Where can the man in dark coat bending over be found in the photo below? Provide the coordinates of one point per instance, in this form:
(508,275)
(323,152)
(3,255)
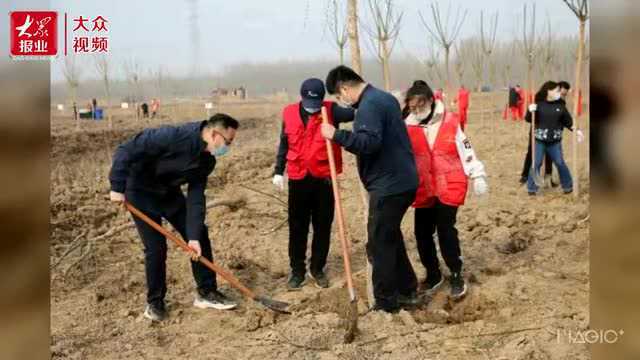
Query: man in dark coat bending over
(148,171)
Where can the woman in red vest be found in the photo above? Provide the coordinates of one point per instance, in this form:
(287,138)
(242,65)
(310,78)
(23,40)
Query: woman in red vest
(445,161)
(303,152)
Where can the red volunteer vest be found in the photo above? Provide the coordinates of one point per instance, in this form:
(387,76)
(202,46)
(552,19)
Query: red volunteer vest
(307,148)
(463,98)
(440,171)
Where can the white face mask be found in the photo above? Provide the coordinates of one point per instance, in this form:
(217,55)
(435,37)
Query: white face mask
(344,102)
(421,115)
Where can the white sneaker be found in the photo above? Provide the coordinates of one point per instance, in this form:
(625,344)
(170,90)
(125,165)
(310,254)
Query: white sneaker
(155,313)
(214,300)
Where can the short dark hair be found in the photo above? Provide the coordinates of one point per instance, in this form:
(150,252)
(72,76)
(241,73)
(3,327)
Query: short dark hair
(564,85)
(341,75)
(223,120)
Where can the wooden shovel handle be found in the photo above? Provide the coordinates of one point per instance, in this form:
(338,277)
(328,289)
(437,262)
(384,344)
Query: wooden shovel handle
(232,280)
(339,212)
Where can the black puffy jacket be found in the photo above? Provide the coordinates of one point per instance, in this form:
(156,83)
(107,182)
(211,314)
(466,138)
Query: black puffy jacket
(551,118)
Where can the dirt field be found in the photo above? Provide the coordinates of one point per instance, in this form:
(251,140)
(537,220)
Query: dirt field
(526,260)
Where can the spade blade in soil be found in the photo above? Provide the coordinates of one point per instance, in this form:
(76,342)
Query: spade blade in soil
(275,305)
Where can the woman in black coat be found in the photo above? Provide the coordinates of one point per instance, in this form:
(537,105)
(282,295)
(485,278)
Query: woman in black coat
(552,117)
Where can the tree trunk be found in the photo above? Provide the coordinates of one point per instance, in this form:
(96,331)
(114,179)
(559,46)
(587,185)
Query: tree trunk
(576,94)
(354,42)
(137,105)
(529,80)
(342,55)
(74,92)
(447,83)
(356,64)
(385,65)
(532,172)
(106,107)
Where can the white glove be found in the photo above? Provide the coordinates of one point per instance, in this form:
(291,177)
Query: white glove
(533,107)
(580,135)
(480,186)
(278,181)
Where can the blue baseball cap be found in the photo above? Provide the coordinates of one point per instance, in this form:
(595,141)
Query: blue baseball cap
(312,93)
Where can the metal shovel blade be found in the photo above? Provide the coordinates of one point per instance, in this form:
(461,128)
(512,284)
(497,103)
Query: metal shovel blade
(352,322)
(275,305)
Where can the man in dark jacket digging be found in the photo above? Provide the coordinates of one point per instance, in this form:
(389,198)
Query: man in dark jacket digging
(387,170)
(148,171)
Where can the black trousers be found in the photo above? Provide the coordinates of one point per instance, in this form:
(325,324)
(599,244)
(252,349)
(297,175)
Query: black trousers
(310,201)
(172,207)
(548,164)
(392,270)
(440,218)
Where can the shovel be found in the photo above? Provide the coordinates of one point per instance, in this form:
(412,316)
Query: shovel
(277,306)
(352,315)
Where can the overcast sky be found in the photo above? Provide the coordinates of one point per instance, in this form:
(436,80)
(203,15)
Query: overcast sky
(158,33)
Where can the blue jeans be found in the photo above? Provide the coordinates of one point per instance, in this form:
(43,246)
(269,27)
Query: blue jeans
(554,151)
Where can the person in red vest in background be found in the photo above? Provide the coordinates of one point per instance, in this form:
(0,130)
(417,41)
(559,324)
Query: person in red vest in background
(445,161)
(522,101)
(437,95)
(155,106)
(463,105)
(515,104)
(303,152)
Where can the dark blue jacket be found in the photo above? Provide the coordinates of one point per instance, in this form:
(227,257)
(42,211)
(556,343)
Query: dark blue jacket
(380,140)
(160,160)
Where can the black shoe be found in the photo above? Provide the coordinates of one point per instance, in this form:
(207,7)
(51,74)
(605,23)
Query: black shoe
(410,300)
(523,180)
(214,300)
(458,286)
(433,281)
(554,184)
(155,312)
(320,278)
(389,310)
(531,193)
(567,191)
(295,281)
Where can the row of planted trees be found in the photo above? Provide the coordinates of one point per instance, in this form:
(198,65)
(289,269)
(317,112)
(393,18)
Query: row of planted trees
(449,59)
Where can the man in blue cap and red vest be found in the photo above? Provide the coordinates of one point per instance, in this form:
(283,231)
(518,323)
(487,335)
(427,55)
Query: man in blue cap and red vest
(303,152)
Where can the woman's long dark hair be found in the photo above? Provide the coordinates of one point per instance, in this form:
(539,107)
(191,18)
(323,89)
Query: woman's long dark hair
(421,90)
(541,95)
